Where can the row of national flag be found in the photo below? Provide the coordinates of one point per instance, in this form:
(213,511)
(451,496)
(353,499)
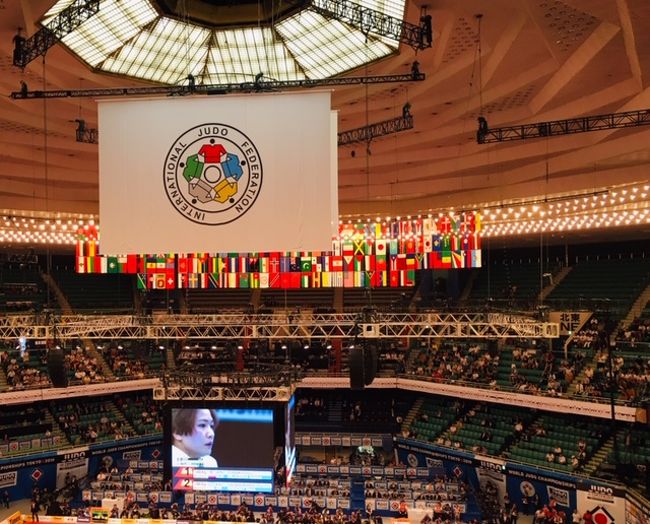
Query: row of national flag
(371,254)
(273,270)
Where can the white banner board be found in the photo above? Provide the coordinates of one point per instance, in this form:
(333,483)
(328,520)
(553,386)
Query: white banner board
(241,173)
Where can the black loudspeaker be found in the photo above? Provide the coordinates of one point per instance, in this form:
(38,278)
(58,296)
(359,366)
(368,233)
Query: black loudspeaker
(363,365)
(56,368)
(369,364)
(357,365)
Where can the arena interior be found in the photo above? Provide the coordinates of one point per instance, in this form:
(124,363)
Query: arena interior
(502,379)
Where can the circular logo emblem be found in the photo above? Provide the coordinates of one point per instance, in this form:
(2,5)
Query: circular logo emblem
(212,174)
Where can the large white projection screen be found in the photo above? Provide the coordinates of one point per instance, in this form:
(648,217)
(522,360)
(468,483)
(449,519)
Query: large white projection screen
(243,173)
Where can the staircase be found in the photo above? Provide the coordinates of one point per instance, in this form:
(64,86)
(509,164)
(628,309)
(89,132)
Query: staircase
(66,308)
(467,291)
(56,429)
(182,303)
(571,390)
(338,300)
(557,278)
(415,409)
(639,305)
(335,413)
(600,456)
(137,298)
(256,298)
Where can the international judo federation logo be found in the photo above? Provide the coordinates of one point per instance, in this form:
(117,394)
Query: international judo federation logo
(213,174)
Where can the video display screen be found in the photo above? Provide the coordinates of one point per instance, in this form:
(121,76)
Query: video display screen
(221,449)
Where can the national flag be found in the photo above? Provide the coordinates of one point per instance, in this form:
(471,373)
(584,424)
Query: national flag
(457,259)
(244,281)
(295,265)
(112,265)
(336,279)
(370,262)
(429,227)
(254,280)
(181,280)
(141,281)
(132,263)
(192,280)
(305,280)
(347,248)
(336,247)
(394,279)
(275,281)
(455,223)
(336,263)
(101,264)
(159,280)
(232,281)
(81,264)
(348,278)
(264,264)
(380,263)
(264,281)
(476,258)
(274,263)
(475,241)
(360,246)
(306,264)
(455,242)
(393,246)
(359,261)
(444,224)
(325,279)
(380,247)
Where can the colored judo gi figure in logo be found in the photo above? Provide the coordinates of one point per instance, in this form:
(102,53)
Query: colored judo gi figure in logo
(212,173)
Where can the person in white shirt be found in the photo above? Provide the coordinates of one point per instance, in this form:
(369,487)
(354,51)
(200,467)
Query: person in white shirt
(193,437)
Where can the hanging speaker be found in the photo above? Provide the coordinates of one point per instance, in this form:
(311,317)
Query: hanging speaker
(356,363)
(369,363)
(56,368)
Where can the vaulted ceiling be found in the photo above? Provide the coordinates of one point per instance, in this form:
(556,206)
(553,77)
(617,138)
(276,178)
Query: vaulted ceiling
(539,60)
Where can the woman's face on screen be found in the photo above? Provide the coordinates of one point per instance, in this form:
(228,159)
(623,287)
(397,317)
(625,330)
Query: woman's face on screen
(200,441)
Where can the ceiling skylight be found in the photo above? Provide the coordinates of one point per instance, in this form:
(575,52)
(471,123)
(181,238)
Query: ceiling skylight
(135,39)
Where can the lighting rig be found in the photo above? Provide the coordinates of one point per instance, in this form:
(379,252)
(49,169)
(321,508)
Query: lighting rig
(28,49)
(570,126)
(268,383)
(378,129)
(218,89)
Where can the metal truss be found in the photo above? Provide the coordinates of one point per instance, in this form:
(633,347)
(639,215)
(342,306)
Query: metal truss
(264,394)
(219,89)
(564,127)
(61,25)
(367,133)
(371,21)
(283,327)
